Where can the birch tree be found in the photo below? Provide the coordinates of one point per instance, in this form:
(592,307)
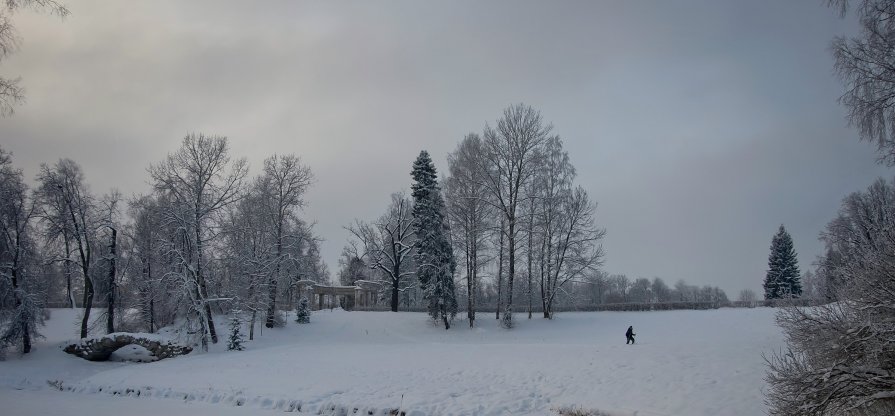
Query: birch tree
(470,217)
(511,151)
(575,248)
(562,222)
(864,63)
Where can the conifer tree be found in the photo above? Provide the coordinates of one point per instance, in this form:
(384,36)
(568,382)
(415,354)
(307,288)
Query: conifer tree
(782,280)
(434,255)
(234,343)
(303,311)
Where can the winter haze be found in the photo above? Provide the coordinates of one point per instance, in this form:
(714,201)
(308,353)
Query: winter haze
(698,126)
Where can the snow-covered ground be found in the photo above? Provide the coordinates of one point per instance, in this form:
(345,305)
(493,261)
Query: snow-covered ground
(684,363)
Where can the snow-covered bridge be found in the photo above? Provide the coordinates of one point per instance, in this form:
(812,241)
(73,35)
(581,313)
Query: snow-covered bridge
(101,348)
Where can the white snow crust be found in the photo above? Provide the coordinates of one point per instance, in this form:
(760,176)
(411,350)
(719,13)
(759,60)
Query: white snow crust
(687,363)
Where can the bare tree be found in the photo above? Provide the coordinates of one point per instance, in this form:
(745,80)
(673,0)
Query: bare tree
(562,221)
(11,93)
(198,181)
(62,186)
(145,212)
(510,157)
(661,291)
(866,65)
(501,261)
(387,244)
(550,188)
(468,214)
(249,250)
(282,186)
(747,297)
(111,222)
(57,225)
(576,246)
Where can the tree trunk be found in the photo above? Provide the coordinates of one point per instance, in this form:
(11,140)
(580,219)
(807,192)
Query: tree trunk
(531,220)
(473,294)
(200,280)
(26,335)
(146,293)
(67,270)
(110,322)
(511,239)
(26,338)
(469,314)
(394,305)
(252,326)
(543,284)
(88,301)
(499,271)
(272,284)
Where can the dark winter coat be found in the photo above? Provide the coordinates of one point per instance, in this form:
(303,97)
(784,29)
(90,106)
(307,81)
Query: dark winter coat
(630,332)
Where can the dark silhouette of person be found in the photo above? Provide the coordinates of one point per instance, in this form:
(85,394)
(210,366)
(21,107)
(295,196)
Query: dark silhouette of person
(630,335)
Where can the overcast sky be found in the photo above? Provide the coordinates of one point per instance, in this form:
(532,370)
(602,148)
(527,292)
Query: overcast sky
(698,126)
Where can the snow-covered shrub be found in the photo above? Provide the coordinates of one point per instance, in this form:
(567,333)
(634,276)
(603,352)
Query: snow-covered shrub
(236,339)
(303,311)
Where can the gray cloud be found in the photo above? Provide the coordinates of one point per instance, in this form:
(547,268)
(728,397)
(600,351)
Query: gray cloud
(699,126)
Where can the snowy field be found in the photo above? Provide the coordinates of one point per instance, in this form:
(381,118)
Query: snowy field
(686,363)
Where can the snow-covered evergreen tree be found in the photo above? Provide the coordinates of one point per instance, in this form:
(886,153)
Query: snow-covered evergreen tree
(782,280)
(236,338)
(434,255)
(303,311)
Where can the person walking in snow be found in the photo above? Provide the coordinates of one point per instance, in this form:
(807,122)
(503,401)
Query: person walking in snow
(630,335)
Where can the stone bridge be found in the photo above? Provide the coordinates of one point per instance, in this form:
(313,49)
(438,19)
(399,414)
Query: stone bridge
(99,349)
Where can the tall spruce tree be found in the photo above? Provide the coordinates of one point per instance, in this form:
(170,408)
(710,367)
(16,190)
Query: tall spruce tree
(782,280)
(434,256)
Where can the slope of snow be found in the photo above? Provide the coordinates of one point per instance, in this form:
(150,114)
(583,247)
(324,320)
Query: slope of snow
(685,363)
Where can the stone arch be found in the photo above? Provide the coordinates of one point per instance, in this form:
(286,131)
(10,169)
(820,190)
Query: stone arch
(99,349)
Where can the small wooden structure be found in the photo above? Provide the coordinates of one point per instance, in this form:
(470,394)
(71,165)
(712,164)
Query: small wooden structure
(364,293)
